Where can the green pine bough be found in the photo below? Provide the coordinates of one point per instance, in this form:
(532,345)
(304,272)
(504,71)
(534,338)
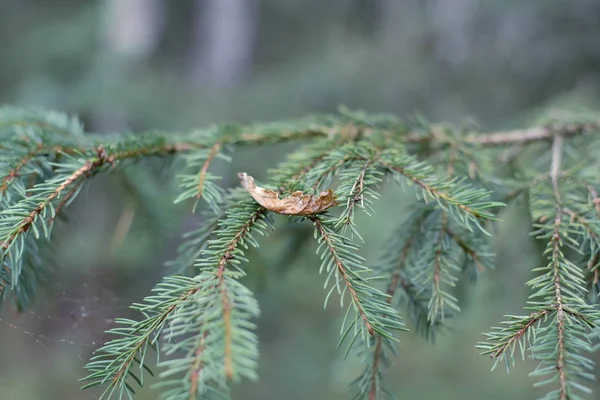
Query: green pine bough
(201,320)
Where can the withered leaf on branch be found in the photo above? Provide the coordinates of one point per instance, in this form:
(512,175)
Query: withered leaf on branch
(297,203)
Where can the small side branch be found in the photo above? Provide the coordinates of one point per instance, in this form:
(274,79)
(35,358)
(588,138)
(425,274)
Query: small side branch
(31,218)
(226,302)
(502,342)
(15,172)
(202,176)
(342,270)
(557,151)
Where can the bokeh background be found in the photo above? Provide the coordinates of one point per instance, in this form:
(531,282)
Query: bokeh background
(134,65)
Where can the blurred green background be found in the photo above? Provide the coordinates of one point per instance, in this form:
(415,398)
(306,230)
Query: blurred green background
(134,65)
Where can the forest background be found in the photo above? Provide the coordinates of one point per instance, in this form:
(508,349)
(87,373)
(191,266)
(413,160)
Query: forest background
(136,65)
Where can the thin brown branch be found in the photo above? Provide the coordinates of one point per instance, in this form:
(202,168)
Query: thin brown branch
(222,267)
(213,152)
(164,149)
(356,193)
(85,171)
(39,150)
(26,223)
(257,138)
(197,365)
(147,337)
(434,192)
(533,318)
(533,134)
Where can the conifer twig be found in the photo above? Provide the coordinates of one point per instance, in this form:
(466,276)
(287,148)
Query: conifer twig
(220,273)
(557,151)
(14,171)
(213,152)
(344,273)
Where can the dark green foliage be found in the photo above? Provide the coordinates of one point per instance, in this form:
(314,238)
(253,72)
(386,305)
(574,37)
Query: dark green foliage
(200,319)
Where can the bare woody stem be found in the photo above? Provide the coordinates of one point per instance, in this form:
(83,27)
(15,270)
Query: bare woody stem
(512,137)
(213,152)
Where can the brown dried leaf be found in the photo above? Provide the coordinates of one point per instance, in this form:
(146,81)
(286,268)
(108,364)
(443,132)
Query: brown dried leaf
(297,203)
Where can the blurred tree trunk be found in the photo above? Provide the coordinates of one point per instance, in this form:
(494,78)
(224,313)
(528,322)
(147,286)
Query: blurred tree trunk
(131,33)
(452,22)
(224,35)
(441,27)
(132,27)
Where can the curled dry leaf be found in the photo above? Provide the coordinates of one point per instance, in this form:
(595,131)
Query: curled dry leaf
(297,203)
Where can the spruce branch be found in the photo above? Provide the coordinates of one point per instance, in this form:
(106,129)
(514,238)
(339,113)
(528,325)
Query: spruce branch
(557,330)
(197,240)
(222,346)
(198,182)
(18,169)
(413,289)
(358,183)
(32,210)
(557,151)
(205,322)
(300,163)
(372,314)
(213,307)
(113,363)
(203,171)
(502,342)
(378,353)
(464,203)
(36,208)
(437,265)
